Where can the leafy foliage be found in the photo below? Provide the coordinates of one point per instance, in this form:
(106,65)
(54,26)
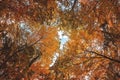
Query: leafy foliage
(29,39)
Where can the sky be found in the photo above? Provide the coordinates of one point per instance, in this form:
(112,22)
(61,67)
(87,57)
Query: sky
(63,39)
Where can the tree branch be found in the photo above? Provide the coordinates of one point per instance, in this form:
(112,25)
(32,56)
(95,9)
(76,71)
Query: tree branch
(19,50)
(75,1)
(34,59)
(118,61)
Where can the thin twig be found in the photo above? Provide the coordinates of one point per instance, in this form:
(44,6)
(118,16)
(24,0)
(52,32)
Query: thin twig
(106,57)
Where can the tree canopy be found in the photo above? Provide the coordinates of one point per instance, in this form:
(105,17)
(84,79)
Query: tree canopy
(31,34)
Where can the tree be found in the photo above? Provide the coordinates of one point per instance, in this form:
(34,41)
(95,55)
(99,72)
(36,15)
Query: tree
(85,55)
(28,40)
(23,36)
(94,17)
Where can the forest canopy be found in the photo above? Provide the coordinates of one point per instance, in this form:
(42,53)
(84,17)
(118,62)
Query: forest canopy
(59,39)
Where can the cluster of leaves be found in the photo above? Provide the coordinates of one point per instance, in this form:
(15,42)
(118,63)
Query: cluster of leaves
(28,43)
(36,10)
(24,38)
(89,14)
(85,55)
(93,47)
(19,50)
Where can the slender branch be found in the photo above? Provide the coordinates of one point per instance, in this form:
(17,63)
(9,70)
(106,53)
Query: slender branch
(18,50)
(33,60)
(75,1)
(106,57)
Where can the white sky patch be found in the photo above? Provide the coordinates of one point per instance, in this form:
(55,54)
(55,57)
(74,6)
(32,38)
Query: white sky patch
(54,59)
(63,39)
(86,78)
(69,6)
(63,7)
(25,31)
(96,45)
(25,27)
